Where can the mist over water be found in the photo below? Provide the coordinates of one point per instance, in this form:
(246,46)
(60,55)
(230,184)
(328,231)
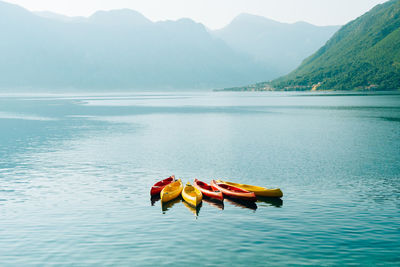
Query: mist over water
(76,170)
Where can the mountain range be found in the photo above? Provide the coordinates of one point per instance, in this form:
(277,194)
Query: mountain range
(123,50)
(282,46)
(363,55)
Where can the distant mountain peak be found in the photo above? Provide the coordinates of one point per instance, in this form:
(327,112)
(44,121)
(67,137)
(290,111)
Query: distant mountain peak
(190,23)
(247,18)
(8,9)
(186,24)
(119,16)
(282,46)
(252,19)
(186,21)
(303,23)
(245,15)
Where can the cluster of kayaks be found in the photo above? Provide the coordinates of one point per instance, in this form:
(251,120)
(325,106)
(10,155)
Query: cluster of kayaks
(171,188)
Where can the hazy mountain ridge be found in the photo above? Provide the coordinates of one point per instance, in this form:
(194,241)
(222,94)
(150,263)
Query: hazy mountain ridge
(363,55)
(56,16)
(282,46)
(118,49)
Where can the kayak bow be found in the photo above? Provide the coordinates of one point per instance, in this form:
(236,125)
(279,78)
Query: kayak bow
(207,190)
(171,191)
(192,195)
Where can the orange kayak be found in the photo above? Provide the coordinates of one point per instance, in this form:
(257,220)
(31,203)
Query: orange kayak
(157,187)
(207,190)
(233,191)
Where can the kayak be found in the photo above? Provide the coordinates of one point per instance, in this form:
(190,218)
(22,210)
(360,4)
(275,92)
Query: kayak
(157,187)
(207,190)
(258,190)
(192,195)
(232,191)
(171,191)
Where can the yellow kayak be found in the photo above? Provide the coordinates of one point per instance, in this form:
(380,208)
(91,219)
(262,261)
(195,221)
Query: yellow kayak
(171,191)
(192,195)
(258,190)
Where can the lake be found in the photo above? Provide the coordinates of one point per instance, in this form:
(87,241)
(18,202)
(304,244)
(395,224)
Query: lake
(76,170)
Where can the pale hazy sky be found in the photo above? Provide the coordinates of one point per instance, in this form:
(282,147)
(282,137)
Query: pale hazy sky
(216,13)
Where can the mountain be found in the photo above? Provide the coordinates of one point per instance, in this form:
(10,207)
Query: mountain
(120,17)
(55,16)
(119,50)
(281,46)
(364,54)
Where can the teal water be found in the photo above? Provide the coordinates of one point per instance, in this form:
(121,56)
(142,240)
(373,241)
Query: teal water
(76,170)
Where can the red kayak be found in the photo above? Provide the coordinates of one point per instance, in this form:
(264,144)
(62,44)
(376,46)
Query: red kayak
(232,191)
(207,190)
(157,187)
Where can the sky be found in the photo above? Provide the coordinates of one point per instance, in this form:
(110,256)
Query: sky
(215,14)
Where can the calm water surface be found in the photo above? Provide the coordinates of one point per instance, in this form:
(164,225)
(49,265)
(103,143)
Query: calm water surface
(75,174)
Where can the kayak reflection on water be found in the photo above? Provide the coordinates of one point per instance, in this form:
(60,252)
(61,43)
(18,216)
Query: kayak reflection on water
(154,199)
(215,203)
(242,203)
(168,205)
(272,201)
(194,210)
